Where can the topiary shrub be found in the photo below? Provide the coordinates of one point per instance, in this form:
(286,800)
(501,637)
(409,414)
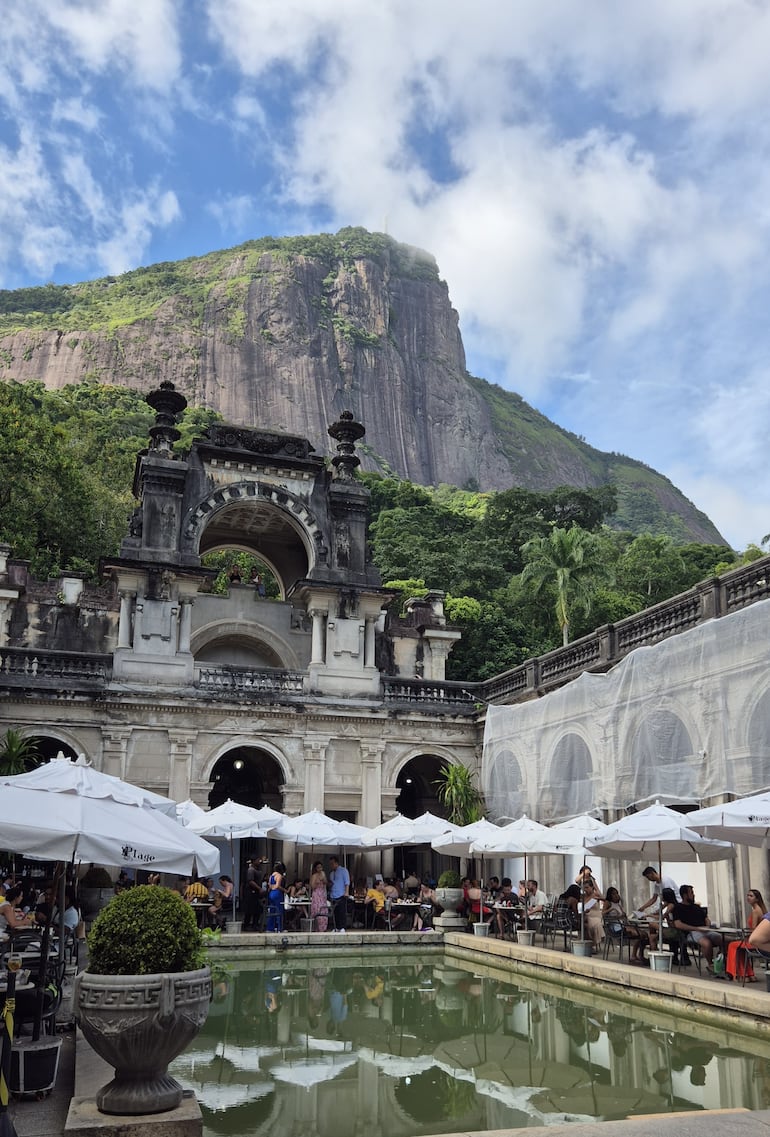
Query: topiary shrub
(145,931)
(449,879)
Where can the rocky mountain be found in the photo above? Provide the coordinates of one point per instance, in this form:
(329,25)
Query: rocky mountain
(286,333)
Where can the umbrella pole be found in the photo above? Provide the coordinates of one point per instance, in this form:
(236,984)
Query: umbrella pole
(232,869)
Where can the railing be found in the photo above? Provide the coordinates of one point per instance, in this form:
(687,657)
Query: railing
(233,681)
(608,645)
(46,668)
(432,695)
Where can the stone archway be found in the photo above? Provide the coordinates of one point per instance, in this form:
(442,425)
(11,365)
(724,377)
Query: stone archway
(49,746)
(249,775)
(416,783)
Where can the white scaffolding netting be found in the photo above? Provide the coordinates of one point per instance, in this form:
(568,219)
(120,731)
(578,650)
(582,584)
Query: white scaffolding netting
(681,721)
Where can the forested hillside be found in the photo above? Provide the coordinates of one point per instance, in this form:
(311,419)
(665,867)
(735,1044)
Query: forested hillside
(66,467)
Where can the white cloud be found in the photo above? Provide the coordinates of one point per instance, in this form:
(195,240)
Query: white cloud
(133,226)
(234,212)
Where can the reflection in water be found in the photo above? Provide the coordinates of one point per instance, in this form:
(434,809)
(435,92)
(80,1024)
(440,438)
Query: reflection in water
(300,1047)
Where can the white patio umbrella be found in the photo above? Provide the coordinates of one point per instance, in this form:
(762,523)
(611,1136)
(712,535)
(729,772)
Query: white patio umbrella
(62,775)
(70,825)
(660,834)
(234,821)
(311,828)
(310,1071)
(400,830)
(187,811)
(458,843)
(523,837)
(745,821)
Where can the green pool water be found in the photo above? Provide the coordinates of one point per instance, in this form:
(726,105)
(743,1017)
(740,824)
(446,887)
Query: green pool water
(385,1047)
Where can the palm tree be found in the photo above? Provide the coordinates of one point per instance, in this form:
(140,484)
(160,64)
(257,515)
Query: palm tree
(570,561)
(17,753)
(458,793)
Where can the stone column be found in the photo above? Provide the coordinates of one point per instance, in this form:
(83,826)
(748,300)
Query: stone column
(315,773)
(318,640)
(181,744)
(371,622)
(371,783)
(124,625)
(114,749)
(138,611)
(185,624)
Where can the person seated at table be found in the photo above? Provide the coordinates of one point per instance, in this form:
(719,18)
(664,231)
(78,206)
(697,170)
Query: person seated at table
(391,889)
(570,901)
(374,902)
(737,964)
(480,913)
(44,906)
(295,911)
(411,883)
(423,917)
(537,901)
(196,890)
(221,903)
(11,916)
(759,939)
(691,918)
(507,898)
(617,917)
(493,887)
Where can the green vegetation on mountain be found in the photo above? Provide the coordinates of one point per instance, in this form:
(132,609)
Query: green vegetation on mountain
(116,301)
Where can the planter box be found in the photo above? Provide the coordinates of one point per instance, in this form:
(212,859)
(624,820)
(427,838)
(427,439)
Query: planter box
(234,927)
(660,960)
(582,947)
(525,937)
(481,929)
(34,1066)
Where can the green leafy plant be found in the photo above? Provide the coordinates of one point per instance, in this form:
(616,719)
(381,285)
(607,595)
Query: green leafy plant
(17,753)
(145,931)
(449,879)
(458,793)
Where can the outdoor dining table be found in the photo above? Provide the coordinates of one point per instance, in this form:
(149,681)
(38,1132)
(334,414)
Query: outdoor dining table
(512,915)
(201,908)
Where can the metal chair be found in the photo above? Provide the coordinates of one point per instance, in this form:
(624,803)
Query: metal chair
(562,922)
(615,934)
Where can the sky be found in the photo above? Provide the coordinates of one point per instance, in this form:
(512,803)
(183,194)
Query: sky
(591,176)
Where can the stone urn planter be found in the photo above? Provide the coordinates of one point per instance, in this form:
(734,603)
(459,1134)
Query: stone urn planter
(450,899)
(138,1024)
(144,997)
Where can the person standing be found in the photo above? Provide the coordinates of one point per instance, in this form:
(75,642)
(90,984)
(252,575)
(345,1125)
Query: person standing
(276,891)
(318,901)
(252,895)
(339,878)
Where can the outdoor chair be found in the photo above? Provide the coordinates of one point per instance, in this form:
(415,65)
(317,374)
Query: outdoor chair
(562,923)
(759,962)
(615,935)
(688,952)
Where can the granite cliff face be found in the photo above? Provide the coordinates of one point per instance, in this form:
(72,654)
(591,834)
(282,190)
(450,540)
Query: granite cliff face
(287,333)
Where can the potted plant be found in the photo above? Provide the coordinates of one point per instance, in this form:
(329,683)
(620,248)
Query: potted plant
(449,894)
(144,997)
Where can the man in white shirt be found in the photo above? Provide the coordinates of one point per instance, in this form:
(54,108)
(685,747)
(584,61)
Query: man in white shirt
(658,883)
(536,899)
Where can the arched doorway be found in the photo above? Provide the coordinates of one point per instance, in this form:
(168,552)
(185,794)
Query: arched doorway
(49,747)
(417,784)
(249,775)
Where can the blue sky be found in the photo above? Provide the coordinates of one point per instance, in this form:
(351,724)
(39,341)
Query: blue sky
(592,178)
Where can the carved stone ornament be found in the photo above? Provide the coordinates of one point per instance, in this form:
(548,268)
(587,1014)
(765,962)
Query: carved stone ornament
(258,441)
(138,1024)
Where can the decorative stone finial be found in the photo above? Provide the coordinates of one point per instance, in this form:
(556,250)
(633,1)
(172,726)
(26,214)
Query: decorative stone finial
(346,433)
(168,404)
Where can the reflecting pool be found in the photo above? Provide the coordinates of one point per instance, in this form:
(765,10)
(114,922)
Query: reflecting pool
(385,1046)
